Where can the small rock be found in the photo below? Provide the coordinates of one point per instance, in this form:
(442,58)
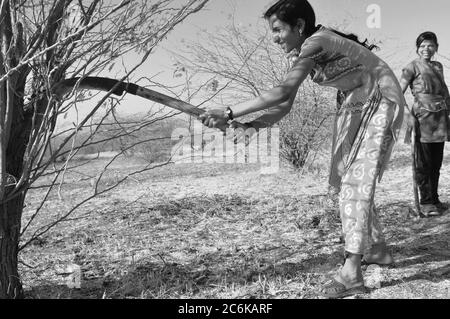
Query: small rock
(73,281)
(373,277)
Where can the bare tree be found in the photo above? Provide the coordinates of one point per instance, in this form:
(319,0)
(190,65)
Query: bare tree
(240,62)
(42,43)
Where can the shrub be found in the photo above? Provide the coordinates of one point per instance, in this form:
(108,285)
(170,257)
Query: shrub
(307,128)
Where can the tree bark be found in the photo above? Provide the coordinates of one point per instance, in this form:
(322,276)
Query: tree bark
(10,284)
(11,209)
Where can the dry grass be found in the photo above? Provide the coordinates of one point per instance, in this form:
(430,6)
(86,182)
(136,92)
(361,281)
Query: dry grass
(225,231)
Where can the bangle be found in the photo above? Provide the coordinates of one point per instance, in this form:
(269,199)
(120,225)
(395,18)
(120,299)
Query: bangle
(229,113)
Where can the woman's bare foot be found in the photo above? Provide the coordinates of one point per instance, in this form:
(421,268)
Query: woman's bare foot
(379,255)
(351,273)
(349,281)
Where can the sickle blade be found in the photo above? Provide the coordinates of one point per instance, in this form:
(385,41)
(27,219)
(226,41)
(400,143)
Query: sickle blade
(168,101)
(117,87)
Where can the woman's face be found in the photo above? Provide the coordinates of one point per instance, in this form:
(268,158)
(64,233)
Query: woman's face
(427,49)
(283,34)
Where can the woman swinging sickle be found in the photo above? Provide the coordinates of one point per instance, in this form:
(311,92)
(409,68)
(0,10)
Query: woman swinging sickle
(368,124)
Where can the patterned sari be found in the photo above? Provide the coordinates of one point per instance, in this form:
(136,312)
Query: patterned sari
(367,125)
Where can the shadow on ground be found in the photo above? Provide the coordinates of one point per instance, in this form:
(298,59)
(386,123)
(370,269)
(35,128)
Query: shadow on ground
(263,272)
(420,246)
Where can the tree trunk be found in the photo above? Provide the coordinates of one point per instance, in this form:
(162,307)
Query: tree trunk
(10,223)
(11,210)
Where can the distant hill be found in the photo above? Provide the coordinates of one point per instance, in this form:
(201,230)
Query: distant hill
(149,138)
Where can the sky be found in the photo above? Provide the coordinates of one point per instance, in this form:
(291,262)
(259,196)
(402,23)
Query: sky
(394,29)
(401,21)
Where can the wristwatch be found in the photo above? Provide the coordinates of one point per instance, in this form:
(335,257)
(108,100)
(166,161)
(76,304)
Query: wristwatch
(229,114)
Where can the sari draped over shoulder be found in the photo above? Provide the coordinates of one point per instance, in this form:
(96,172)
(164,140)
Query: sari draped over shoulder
(363,81)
